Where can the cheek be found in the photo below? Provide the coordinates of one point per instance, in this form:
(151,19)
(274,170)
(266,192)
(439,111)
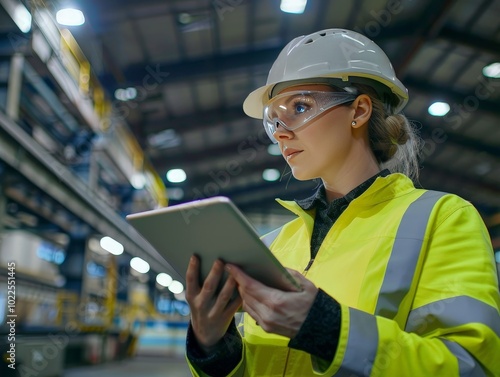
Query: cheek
(330,136)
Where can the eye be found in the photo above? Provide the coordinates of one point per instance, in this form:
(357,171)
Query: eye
(302,104)
(300,108)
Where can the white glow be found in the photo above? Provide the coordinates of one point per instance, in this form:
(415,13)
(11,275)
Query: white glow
(271,175)
(22,18)
(110,245)
(164,279)
(138,181)
(439,109)
(492,70)
(293,6)
(274,150)
(140,265)
(176,287)
(176,175)
(180,296)
(175,193)
(127,94)
(70,17)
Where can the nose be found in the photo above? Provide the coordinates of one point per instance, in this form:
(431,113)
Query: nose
(280,132)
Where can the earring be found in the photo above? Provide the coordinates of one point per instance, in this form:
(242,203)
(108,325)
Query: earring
(353,123)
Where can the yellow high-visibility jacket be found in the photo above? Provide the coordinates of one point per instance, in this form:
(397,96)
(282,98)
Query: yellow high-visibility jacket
(415,275)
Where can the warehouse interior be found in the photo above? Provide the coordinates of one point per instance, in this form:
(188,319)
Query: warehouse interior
(96,120)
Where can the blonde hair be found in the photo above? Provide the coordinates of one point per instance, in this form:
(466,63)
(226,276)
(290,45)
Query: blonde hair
(393,139)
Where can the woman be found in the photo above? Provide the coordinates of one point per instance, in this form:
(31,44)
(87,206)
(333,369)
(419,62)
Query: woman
(397,281)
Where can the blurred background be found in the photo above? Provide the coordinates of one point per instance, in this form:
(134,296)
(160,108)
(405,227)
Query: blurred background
(112,107)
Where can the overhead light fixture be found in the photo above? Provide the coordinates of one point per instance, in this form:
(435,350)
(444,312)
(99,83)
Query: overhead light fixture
(175,193)
(22,18)
(127,94)
(70,17)
(492,70)
(138,181)
(19,14)
(271,175)
(176,175)
(140,265)
(164,139)
(274,150)
(439,109)
(293,6)
(176,287)
(111,245)
(164,279)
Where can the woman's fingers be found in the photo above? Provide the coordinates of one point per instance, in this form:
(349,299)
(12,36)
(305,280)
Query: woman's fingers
(228,299)
(192,278)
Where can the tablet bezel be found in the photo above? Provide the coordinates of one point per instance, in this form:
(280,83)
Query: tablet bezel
(212,228)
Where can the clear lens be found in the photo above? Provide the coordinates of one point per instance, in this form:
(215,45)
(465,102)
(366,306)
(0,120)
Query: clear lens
(293,110)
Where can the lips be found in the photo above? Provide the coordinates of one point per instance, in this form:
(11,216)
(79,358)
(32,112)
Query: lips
(288,153)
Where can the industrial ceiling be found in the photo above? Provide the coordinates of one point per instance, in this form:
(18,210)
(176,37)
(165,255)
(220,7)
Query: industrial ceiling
(192,63)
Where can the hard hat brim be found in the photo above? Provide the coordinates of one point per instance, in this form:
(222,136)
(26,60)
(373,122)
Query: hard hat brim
(254,104)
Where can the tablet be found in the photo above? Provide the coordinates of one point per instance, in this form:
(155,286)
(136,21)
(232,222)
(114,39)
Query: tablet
(212,228)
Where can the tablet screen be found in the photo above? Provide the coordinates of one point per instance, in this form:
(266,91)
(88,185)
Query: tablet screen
(212,228)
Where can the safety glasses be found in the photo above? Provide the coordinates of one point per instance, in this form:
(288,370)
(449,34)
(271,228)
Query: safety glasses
(293,110)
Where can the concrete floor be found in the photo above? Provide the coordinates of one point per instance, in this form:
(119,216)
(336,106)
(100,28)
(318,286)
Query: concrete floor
(137,367)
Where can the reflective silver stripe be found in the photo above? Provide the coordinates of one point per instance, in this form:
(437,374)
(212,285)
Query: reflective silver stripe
(452,312)
(405,254)
(467,365)
(362,344)
(269,238)
(239,320)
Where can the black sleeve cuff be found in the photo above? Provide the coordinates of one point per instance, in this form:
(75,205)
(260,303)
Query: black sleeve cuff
(319,334)
(225,356)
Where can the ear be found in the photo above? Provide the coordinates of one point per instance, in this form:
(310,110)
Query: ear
(362,107)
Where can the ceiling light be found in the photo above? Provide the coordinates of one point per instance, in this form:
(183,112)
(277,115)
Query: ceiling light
(164,139)
(138,181)
(293,6)
(271,175)
(482,168)
(185,18)
(439,109)
(274,150)
(164,279)
(176,287)
(140,265)
(127,94)
(492,70)
(22,18)
(70,17)
(19,14)
(175,193)
(176,175)
(111,246)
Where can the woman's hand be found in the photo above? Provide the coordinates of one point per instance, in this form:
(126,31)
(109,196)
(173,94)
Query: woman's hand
(276,311)
(211,313)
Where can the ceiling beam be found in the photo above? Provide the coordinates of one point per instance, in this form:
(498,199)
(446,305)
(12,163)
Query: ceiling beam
(472,41)
(461,103)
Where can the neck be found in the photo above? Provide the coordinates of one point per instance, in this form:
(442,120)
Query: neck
(350,176)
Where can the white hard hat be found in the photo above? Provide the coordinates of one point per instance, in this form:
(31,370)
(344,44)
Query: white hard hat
(344,55)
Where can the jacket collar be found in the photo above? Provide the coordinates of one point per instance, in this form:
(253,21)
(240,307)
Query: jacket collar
(384,188)
(319,198)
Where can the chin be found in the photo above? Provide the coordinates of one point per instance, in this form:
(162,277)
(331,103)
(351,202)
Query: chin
(301,175)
